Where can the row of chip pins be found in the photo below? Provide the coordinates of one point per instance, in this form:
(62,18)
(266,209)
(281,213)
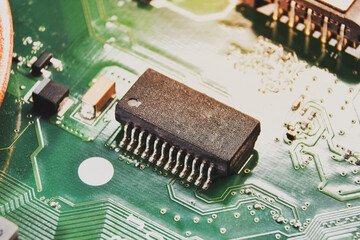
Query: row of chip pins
(137,150)
(153,147)
(133,140)
(186,167)
(170,160)
(161,160)
(125,137)
(136,141)
(309,25)
(178,162)
(152,158)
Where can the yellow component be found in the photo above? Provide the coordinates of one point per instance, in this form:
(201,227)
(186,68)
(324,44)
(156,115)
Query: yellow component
(292,14)
(96,97)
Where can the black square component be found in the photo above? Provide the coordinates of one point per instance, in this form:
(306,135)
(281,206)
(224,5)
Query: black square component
(48,96)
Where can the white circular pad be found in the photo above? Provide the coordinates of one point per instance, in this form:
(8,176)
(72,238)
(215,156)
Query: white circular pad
(96,171)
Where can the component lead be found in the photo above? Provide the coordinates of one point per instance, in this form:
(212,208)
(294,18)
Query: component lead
(341,37)
(276,10)
(147,148)
(162,157)
(184,171)
(177,164)
(193,170)
(308,22)
(208,179)
(324,30)
(132,142)
(169,162)
(292,14)
(201,174)
(140,140)
(154,154)
(124,139)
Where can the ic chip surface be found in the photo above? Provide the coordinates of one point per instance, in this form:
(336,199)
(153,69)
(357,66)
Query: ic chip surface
(189,120)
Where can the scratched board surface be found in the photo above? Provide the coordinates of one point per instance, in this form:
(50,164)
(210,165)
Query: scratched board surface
(307,188)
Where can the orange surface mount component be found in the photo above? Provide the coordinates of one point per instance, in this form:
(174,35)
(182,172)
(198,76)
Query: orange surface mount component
(96,97)
(6,46)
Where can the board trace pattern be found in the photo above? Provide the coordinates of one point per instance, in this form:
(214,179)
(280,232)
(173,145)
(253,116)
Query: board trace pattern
(67,175)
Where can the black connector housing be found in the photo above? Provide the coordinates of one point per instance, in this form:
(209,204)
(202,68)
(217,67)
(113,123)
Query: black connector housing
(349,17)
(48,96)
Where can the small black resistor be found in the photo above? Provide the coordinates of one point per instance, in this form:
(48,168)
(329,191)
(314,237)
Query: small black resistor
(42,62)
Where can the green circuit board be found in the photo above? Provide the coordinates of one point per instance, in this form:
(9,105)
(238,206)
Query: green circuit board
(305,188)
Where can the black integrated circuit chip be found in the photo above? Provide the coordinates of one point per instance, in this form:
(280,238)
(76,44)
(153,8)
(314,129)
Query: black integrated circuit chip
(183,130)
